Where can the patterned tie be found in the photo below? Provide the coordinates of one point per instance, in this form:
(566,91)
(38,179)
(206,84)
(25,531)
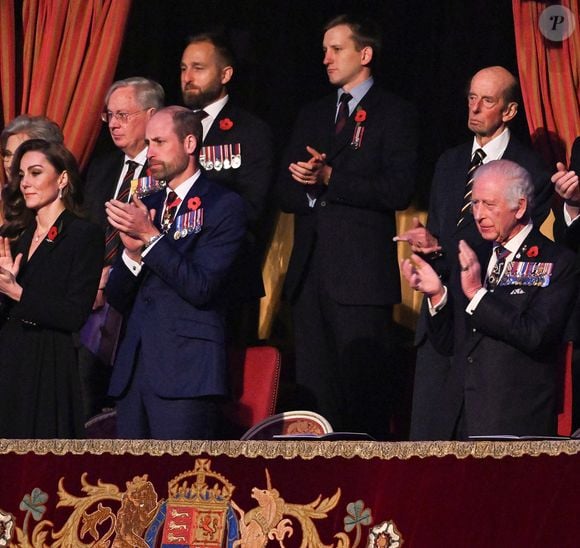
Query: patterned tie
(495,275)
(476,161)
(112,239)
(171,204)
(342,115)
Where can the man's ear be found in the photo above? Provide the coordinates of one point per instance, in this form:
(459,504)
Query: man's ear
(522,207)
(227,73)
(509,112)
(190,144)
(366,55)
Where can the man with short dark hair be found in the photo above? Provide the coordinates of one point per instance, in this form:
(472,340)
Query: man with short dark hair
(237,152)
(504,325)
(492,104)
(179,244)
(349,166)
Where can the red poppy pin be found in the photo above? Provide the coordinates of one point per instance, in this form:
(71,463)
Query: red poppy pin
(360,116)
(226,124)
(193,203)
(533,251)
(52,234)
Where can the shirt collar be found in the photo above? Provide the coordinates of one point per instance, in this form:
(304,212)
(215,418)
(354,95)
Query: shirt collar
(186,186)
(215,108)
(516,242)
(495,148)
(141,158)
(357,93)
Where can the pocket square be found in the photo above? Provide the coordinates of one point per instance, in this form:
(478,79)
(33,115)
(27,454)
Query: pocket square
(517,291)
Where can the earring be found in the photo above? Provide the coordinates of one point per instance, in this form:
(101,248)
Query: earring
(60,193)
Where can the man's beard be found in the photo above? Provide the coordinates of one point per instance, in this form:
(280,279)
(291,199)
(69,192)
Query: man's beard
(200,100)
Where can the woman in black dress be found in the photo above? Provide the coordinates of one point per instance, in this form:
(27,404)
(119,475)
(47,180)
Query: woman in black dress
(50,265)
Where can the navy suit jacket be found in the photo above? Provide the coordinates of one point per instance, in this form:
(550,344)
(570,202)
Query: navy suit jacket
(174,306)
(353,221)
(506,355)
(252,181)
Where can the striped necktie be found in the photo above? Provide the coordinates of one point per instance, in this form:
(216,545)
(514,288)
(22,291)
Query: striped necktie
(501,254)
(171,204)
(112,239)
(476,161)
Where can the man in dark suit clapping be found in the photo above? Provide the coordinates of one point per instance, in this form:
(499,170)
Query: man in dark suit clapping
(349,166)
(502,318)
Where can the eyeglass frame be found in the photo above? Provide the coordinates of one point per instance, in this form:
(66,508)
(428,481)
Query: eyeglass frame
(123,117)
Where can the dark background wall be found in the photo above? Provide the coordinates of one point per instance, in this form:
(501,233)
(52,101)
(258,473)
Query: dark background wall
(431,48)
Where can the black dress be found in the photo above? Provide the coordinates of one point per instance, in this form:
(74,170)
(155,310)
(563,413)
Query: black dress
(39,378)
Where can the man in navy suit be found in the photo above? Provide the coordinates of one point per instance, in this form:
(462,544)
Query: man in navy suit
(349,166)
(237,152)
(502,321)
(180,243)
(492,103)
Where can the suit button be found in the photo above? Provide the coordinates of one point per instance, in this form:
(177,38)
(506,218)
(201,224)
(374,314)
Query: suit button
(323,203)
(469,359)
(474,330)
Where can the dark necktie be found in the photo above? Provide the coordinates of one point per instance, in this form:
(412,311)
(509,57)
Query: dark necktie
(494,276)
(342,115)
(112,239)
(476,161)
(171,204)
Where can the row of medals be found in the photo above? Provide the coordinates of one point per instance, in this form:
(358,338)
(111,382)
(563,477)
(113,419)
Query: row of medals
(221,156)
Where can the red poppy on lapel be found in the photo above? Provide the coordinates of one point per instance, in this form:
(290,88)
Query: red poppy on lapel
(226,124)
(533,251)
(360,116)
(52,234)
(193,203)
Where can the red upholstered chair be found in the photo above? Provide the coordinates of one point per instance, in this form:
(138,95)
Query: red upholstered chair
(565,404)
(254,378)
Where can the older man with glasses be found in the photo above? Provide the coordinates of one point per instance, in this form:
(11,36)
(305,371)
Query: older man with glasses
(129,104)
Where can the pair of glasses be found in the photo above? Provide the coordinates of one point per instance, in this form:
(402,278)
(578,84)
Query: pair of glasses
(123,117)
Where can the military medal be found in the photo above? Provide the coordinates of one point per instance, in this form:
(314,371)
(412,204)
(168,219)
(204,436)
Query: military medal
(188,223)
(534,274)
(237,156)
(209,158)
(217,165)
(227,156)
(202,157)
(146,185)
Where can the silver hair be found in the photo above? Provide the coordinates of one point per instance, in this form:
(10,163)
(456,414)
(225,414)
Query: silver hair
(517,182)
(34,127)
(149,94)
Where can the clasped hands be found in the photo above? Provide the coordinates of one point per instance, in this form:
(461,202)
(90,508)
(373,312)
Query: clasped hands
(134,222)
(421,276)
(313,171)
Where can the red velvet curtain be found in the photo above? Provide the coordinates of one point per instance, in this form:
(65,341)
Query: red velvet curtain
(70,50)
(549,78)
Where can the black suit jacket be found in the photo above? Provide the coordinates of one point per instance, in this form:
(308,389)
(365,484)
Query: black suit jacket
(353,220)
(101,182)
(505,367)
(447,191)
(252,181)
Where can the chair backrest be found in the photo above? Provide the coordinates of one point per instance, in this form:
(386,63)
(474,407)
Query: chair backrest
(289,423)
(254,379)
(565,403)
